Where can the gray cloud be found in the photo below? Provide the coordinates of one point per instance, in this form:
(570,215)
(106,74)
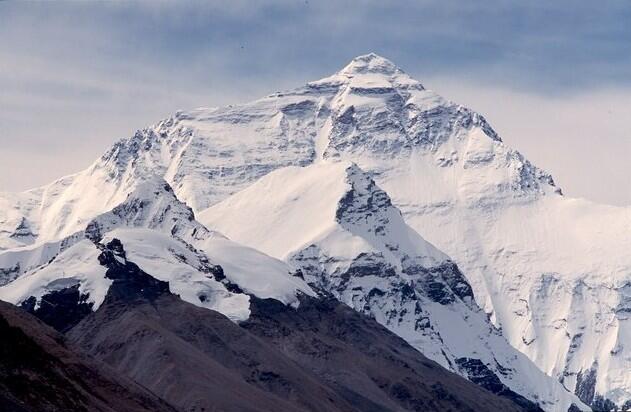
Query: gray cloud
(74,76)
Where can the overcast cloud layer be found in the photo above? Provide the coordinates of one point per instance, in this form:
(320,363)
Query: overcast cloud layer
(554,78)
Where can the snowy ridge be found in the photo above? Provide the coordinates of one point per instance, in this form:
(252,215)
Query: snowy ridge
(15,262)
(158,233)
(367,211)
(189,272)
(151,205)
(362,252)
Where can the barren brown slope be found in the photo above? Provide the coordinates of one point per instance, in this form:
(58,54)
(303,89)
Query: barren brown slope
(198,359)
(368,364)
(40,372)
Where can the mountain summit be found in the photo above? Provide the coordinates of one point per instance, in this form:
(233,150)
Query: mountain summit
(370,63)
(369,73)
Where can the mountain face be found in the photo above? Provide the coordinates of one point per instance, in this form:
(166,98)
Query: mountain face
(552,272)
(40,371)
(355,245)
(306,358)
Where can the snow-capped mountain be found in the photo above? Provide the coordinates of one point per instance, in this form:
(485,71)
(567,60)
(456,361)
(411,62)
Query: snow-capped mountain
(354,244)
(161,236)
(552,272)
(122,290)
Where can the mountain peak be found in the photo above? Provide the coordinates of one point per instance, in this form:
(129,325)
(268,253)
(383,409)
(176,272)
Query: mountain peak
(150,188)
(370,63)
(342,202)
(152,204)
(370,71)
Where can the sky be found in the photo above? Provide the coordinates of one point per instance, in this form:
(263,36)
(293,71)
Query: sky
(552,77)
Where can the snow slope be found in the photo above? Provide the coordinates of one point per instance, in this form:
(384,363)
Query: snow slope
(353,243)
(76,266)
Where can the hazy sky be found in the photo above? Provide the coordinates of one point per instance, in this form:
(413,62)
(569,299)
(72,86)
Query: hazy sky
(552,77)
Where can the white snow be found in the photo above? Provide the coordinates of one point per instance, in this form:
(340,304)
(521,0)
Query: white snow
(272,203)
(77,265)
(255,272)
(168,259)
(20,260)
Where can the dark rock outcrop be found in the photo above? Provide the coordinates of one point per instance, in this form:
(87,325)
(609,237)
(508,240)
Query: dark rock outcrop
(61,309)
(480,374)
